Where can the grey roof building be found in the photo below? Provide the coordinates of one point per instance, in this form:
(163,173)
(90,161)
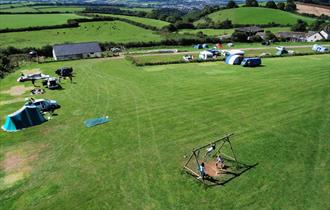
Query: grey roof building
(250,30)
(76,51)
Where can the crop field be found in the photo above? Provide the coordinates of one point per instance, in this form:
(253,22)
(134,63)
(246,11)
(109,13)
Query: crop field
(29,20)
(147,21)
(110,31)
(279,113)
(260,16)
(218,32)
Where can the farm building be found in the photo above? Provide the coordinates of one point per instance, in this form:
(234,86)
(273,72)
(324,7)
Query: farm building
(251,30)
(314,36)
(76,51)
(292,36)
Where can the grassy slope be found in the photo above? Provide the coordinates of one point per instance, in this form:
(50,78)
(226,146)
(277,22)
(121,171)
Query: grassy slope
(279,112)
(254,15)
(114,31)
(27,20)
(146,21)
(217,32)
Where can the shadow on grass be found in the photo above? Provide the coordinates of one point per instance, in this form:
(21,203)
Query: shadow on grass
(226,175)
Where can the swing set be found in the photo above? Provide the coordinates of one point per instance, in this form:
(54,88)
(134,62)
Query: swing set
(212,165)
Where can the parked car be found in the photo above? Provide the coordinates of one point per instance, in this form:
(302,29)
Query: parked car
(44,105)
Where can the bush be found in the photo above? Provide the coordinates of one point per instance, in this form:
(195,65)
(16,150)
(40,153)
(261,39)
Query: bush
(290,6)
(251,3)
(271,5)
(281,6)
(300,26)
(231,4)
(239,37)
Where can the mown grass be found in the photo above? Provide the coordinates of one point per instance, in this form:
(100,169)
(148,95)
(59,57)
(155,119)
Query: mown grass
(147,21)
(219,32)
(111,31)
(279,114)
(29,20)
(255,15)
(168,58)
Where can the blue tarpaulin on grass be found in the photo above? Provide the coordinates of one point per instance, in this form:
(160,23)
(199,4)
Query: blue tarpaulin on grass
(96,121)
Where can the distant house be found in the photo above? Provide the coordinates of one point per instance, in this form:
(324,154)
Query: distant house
(251,30)
(292,36)
(313,36)
(76,51)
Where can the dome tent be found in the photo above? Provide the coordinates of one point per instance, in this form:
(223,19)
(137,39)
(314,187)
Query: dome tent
(234,59)
(25,117)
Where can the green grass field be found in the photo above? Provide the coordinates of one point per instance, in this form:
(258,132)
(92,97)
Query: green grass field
(147,21)
(279,114)
(19,9)
(114,31)
(58,9)
(28,20)
(255,15)
(218,32)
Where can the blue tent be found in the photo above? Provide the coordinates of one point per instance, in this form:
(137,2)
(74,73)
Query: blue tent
(198,46)
(234,59)
(25,117)
(205,46)
(251,62)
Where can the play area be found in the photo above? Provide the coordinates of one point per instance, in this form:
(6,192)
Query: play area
(212,165)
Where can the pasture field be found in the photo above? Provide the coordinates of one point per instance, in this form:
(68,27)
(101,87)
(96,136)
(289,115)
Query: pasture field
(279,114)
(218,32)
(58,9)
(147,21)
(256,15)
(108,31)
(19,9)
(29,20)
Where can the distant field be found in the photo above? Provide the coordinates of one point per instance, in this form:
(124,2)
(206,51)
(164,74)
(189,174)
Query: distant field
(18,9)
(112,31)
(146,21)
(218,32)
(255,15)
(59,9)
(28,20)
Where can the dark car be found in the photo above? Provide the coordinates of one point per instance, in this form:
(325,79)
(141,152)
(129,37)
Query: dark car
(45,105)
(64,72)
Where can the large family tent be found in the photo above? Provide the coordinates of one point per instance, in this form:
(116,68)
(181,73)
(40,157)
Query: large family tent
(25,117)
(251,62)
(234,59)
